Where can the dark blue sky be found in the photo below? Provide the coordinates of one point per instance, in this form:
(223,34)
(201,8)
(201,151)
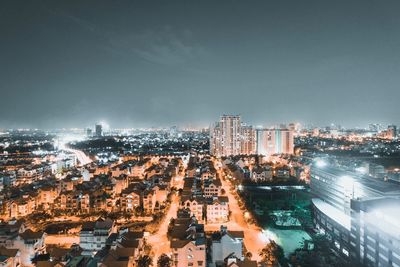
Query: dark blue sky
(149,63)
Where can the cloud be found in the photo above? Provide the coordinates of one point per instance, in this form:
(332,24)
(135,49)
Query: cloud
(82,23)
(166,46)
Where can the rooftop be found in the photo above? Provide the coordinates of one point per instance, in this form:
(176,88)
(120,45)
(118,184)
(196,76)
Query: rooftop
(333,213)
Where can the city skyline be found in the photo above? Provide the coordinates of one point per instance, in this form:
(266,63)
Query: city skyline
(147,64)
(199,133)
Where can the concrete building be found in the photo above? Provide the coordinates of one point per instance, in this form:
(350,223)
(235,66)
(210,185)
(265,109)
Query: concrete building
(261,173)
(188,242)
(212,188)
(274,141)
(248,140)
(217,210)
(225,136)
(392,131)
(375,229)
(99,130)
(29,244)
(93,235)
(226,243)
(342,201)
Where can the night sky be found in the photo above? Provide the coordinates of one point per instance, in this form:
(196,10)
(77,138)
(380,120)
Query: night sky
(163,63)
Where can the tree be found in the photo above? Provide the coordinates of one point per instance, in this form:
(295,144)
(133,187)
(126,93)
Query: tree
(164,261)
(249,255)
(145,261)
(272,254)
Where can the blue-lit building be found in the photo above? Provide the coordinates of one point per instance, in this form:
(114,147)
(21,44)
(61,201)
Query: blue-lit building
(375,231)
(350,209)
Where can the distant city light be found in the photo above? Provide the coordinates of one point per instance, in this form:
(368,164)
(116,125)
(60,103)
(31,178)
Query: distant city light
(320,163)
(361,170)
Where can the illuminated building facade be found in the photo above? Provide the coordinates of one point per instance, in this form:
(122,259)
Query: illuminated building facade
(274,141)
(229,138)
(216,140)
(225,136)
(342,201)
(375,229)
(248,140)
(392,131)
(230,130)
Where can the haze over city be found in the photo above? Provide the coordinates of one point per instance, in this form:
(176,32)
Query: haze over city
(199,133)
(163,63)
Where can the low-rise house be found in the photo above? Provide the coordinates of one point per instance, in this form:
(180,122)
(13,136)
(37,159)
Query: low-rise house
(93,235)
(195,205)
(188,242)
(9,232)
(119,257)
(226,244)
(46,196)
(261,173)
(130,239)
(69,182)
(193,186)
(30,244)
(212,188)
(148,201)
(189,252)
(68,201)
(283,172)
(218,210)
(22,207)
(130,199)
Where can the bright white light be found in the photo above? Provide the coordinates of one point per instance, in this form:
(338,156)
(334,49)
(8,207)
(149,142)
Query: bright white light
(320,163)
(105,125)
(347,182)
(361,170)
(268,235)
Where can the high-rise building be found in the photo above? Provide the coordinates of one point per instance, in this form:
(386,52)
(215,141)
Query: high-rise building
(89,132)
(230,129)
(392,131)
(216,140)
(99,130)
(225,139)
(275,141)
(248,140)
(228,138)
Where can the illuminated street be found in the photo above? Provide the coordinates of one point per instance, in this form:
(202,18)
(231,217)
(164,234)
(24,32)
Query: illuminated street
(254,239)
(159,241)
(200,133)
(80,155)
